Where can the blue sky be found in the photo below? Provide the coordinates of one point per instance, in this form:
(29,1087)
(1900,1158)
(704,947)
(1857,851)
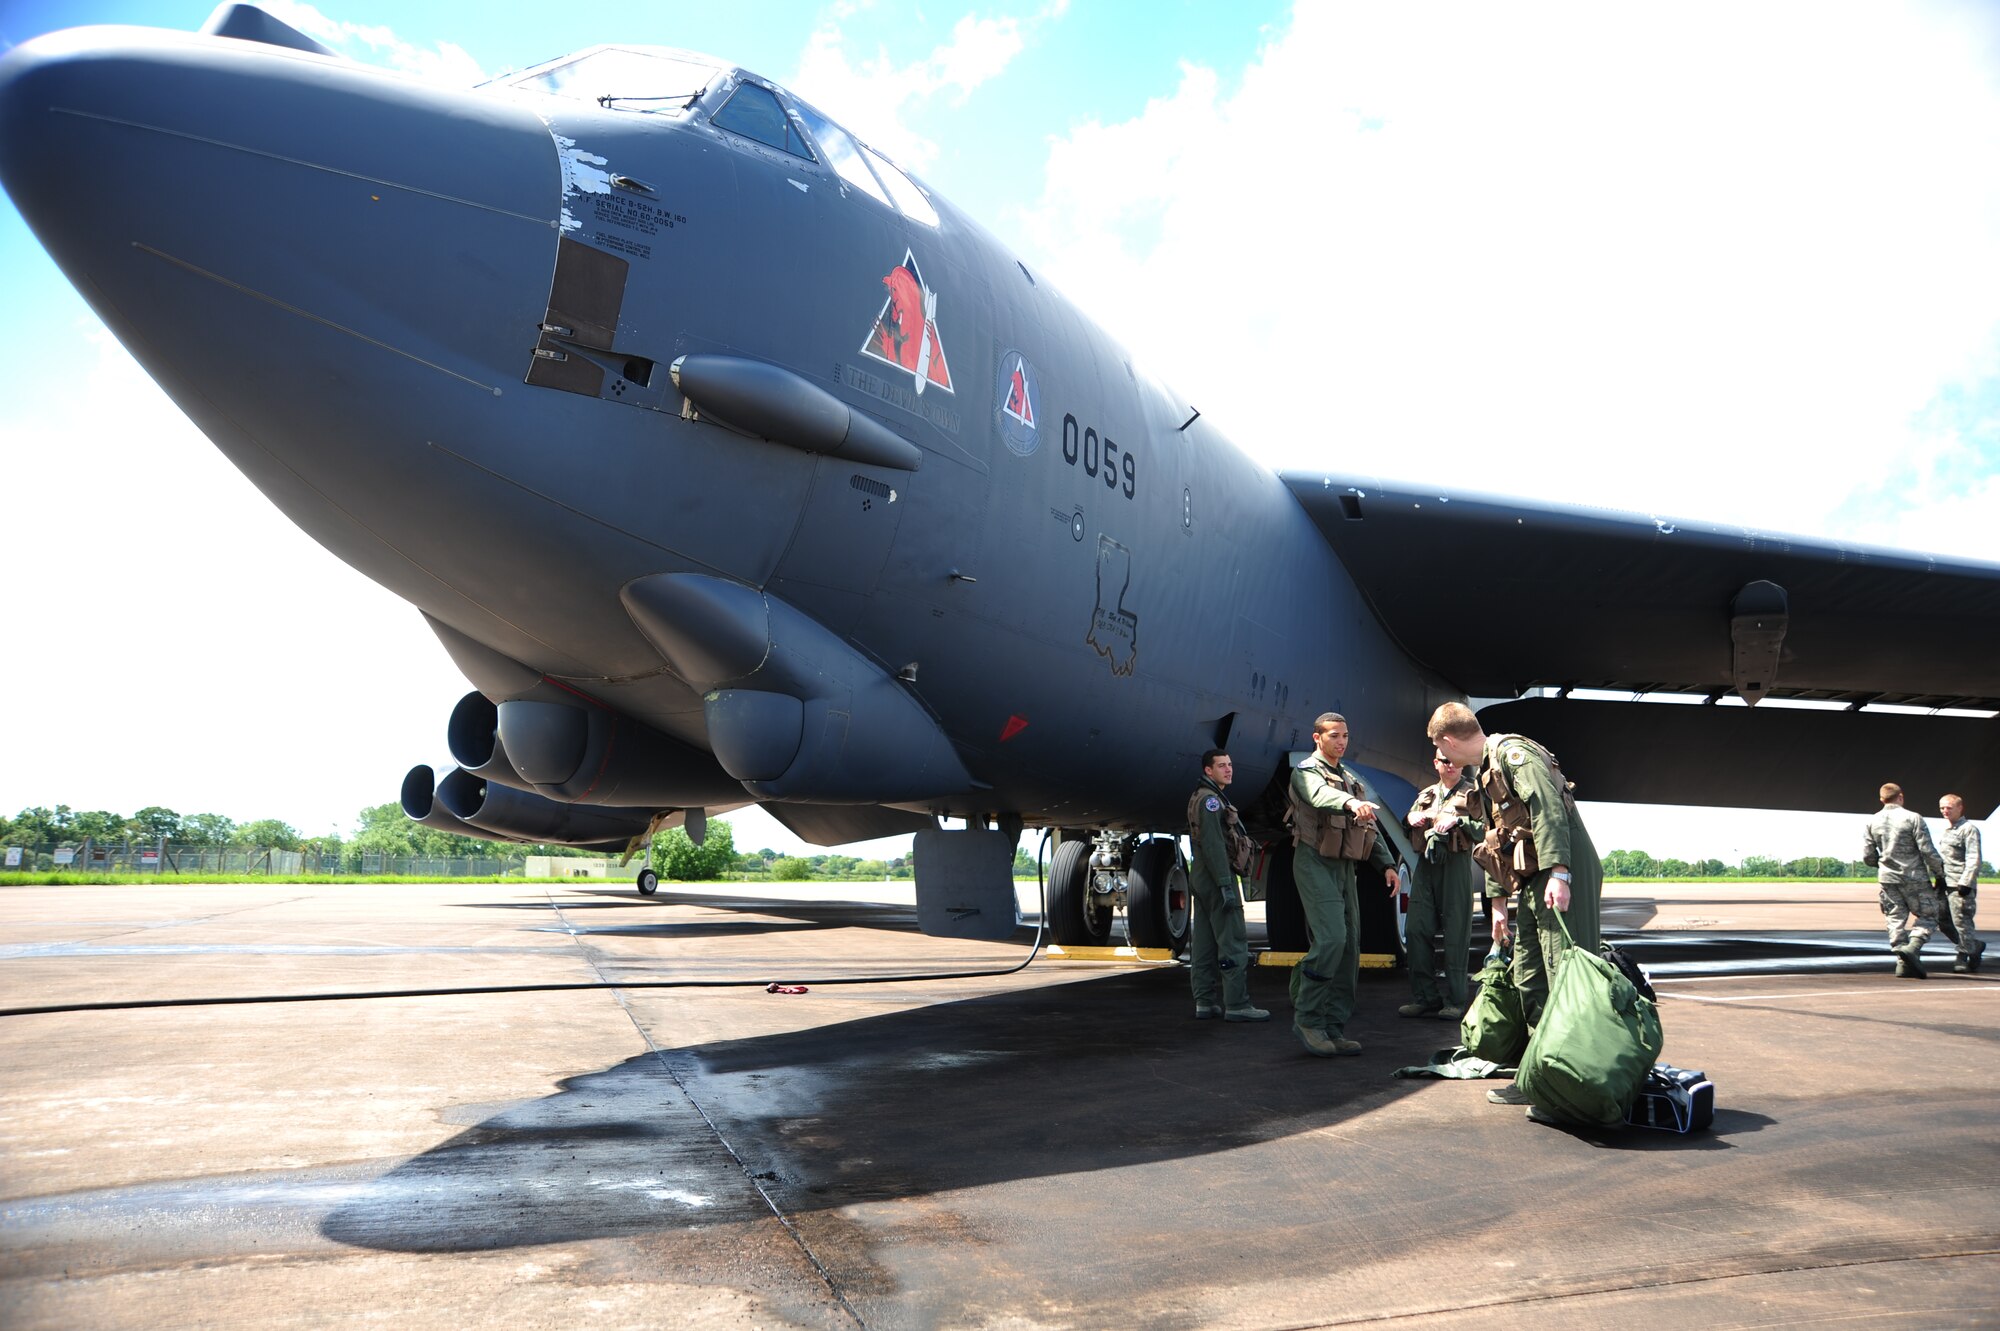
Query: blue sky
(1724,262)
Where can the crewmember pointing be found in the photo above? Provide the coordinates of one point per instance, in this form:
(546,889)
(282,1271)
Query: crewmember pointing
(1333,828)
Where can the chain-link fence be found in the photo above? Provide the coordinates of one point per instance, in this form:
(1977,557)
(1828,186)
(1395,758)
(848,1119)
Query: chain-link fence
(170,858)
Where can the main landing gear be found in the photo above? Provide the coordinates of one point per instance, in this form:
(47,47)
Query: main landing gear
(1093,876)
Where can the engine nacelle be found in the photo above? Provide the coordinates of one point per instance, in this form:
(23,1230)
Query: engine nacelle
(589,754)
(505,814)
(793,711)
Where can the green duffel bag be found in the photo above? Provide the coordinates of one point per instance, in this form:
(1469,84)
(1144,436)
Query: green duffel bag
(1495,1027)
(1598,1038)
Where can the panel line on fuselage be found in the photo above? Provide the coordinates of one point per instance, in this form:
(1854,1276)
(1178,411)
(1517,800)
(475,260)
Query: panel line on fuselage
(308,315)
(523,486)
(313,166)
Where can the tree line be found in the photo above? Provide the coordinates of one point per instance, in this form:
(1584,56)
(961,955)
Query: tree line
(1638,864)
(676,856)
(383,830)
(379,830)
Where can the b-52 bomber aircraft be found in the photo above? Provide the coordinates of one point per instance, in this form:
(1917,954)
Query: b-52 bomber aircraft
(730,463)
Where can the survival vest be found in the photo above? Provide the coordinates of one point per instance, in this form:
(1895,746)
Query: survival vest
(1236,842)
(1328,833)
(1459,800)
(1508,853)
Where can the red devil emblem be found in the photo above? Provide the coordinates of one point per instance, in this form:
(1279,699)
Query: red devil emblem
(905,333)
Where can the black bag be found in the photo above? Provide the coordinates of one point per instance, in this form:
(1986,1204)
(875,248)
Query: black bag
(1673,1100)
(1630,969)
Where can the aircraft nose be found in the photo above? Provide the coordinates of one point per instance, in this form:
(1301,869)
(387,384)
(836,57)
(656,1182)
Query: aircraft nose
(263,227)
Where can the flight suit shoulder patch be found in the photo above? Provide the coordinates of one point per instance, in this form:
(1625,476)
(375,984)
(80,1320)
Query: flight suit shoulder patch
(1515,755)
(1212,804)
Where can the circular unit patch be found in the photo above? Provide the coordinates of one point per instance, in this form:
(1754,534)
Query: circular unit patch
(1017,404)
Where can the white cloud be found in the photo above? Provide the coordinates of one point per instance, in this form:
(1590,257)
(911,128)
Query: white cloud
(1713,259)
(874,96)
(980,49)
(192,648)
(446,62)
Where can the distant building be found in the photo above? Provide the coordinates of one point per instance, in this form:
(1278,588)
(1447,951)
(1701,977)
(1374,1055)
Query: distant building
(565,866)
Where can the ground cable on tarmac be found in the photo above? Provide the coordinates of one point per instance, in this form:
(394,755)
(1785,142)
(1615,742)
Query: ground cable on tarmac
(352,995)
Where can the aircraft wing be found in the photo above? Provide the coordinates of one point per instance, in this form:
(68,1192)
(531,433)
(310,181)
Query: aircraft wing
(1502,596)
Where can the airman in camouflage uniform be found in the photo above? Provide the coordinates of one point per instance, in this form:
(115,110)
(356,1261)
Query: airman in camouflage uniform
(1218,950)
(1447,821)
(1333,828)
(1898,847)
(1959,849)
(1536,848)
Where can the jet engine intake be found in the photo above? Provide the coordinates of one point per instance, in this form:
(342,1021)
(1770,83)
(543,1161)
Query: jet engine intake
(473,736)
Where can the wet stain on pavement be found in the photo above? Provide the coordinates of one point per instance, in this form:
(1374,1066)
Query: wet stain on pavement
(684,928)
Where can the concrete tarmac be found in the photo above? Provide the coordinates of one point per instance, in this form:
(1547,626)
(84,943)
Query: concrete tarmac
(1057,1147)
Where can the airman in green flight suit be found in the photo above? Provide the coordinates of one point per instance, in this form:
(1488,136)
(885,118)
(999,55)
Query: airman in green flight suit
(1448,822)
(1536,848)
(1219,950)
(1333,827)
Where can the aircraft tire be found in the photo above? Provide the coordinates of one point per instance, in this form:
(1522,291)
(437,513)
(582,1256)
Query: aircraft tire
(1284,917)
(649,882)
(1072,920)
(1157,900)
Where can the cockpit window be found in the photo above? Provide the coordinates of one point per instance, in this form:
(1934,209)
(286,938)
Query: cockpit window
(842,152)
(908,197)
(623,78)
(754,113)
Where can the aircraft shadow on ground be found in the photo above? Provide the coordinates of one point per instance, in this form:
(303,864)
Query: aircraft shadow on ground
(693,928)
(1038,1082)
(1035,1082)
